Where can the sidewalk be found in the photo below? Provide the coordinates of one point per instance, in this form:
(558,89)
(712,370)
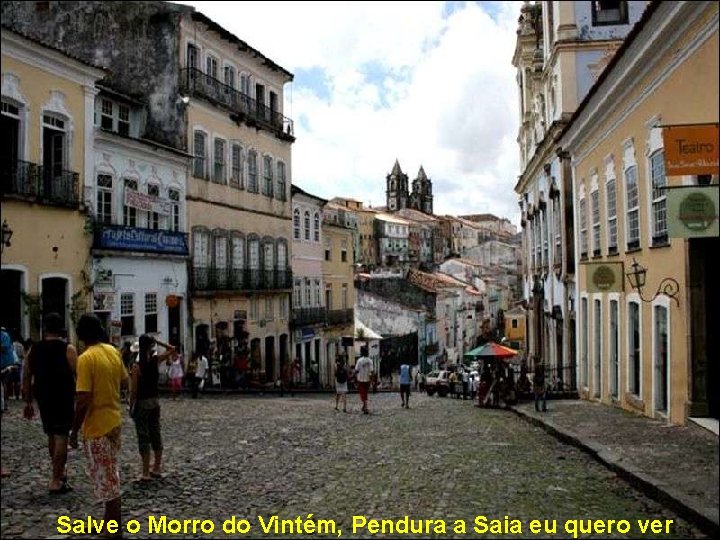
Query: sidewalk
(677,465)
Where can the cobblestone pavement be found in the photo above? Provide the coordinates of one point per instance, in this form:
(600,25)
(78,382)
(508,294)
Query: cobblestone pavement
(253,457)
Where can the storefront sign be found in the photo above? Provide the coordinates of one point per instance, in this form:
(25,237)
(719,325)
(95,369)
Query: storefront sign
(691,149)
(604,277)
(103,301)
(136,239)
(692,211)
(147,203)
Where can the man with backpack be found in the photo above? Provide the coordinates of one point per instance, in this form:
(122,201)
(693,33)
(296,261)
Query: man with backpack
(341,387)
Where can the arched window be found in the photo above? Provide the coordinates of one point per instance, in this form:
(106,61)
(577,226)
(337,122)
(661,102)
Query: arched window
(307,225)
(316,227)
(252,172)
(296,224)
(237,254)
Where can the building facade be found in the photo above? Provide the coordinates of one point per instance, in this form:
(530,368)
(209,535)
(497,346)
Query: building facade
(392,237)
(561,49)
(47,130)
(648,350)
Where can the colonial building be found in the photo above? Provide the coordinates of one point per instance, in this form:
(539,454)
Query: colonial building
(561,49)
(212,95)
(140,251)
(398,195)
(47,137)
(642,154)
(309,312)
(392,235)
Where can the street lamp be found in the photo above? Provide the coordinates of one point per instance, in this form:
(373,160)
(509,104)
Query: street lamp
(668,286)
(7,233)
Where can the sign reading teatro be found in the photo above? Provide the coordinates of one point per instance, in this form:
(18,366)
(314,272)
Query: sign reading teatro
(690,149)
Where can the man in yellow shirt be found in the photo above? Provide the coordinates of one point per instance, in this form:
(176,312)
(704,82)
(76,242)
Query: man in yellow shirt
(100,375)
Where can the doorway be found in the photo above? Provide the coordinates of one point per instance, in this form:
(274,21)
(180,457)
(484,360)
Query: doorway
(11,313)
(55,297)
(174,332)
(270,358)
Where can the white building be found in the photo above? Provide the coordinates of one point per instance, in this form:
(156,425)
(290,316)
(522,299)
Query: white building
(139,250)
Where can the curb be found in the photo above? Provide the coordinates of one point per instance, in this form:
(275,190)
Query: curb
(701,517)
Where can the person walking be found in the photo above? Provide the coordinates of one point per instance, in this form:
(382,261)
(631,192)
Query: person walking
(144,403)
(539,387)
(201,368)
(363,369)
(175,374)
(341,384)
(49,377)
(100,375)
(7,363)
(405,385)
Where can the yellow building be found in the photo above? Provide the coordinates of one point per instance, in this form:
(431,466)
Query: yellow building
(47,129)
(515,329)
(238,196)
(647,349)
(337,272)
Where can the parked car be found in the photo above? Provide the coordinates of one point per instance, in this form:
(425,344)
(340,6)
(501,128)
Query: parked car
(437,381)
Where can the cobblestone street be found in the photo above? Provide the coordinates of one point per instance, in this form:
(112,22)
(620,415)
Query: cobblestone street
(259,456)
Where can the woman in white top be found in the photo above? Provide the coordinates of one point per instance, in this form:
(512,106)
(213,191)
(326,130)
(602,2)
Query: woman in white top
(175,374)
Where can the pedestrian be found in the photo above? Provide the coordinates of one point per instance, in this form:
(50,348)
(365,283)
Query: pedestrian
(7,363)
(201,368)
(175,374)
(465,383)
(49,377)
(539,386)
(341,384)
(363,368)
(100,374)
(405,385)
(144,403)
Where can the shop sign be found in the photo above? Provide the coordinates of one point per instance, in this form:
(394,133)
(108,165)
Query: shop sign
(692,211)
(604,277)
(147,203)
(690,149)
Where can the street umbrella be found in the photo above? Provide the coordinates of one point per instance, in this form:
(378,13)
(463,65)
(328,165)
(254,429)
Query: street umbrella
(494,350)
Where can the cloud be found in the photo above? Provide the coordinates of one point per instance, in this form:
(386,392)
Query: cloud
(428,83)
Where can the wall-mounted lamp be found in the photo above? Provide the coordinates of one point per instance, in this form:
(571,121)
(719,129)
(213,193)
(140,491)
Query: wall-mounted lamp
(7,233)
(668,286)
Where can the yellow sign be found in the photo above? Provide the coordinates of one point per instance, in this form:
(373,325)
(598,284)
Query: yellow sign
(691,149)
(604,277)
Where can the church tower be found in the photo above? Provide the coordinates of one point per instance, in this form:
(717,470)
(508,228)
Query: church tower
(397,189)
(422,197)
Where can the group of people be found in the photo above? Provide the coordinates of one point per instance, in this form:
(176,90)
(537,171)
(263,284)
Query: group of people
(83,393)
(363,376)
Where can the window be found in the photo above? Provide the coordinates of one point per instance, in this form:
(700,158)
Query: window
(254,309)
(192,56)
(54,158)
(557,230)
(237,253)
(328,296)
(252,171)
(201,253)
(611,216)
(229,76)
(344,296)
(514,323)
(127,314)
(129,212)
(10,151)
(281,182)
(316,227)
(153,217)
(308,293)
(585,336)
(245,84)
(269,257)
(317,290)
(662,364)
(123,126)
(633,208)
(220,259)
(307,225)
(659,203)
(106,114)
(297,293)
(282,255)
(174,196)
(343,251)
(268,176)
(269,309)
(236,173)
(283,304)
(595,209)
(327,249)
(607,12)
(597,346)
(634,348)
(583,229)
(211,65)
(614,351)
(104,198)
(200,152)
(219,170)
(296,224)
(151,313)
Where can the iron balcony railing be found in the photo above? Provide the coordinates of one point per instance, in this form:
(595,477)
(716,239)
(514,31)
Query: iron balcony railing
(240,279)
(194,82)
(45,185)
(305,316)
(340,316)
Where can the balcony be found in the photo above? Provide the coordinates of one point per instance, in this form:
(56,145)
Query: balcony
(307,316)
(240,279)
(252,112)
(121,238)
(44,185)
(340,316)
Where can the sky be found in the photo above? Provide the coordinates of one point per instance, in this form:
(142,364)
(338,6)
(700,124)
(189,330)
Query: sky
(426,83)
